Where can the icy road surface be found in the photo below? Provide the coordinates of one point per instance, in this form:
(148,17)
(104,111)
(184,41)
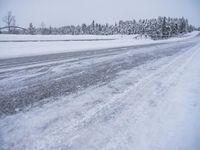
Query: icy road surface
(138,97)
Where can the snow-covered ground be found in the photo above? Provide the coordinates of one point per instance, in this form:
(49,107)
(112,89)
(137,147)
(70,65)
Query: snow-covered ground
(13,37)
(21,49)
(153,105)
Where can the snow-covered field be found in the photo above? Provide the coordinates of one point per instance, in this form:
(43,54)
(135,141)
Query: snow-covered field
(128,98)
(12,37)
(21,49)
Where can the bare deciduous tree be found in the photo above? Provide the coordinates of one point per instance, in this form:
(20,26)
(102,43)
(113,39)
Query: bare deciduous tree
(9,20)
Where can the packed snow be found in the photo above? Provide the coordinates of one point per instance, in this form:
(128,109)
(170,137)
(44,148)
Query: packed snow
(22,49)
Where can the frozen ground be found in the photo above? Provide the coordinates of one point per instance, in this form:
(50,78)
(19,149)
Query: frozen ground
(142,97)
(12,46)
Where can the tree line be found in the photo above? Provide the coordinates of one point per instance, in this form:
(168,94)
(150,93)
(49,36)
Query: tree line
(156,28)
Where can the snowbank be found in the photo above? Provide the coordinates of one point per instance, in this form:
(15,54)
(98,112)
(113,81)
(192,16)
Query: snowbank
(23,49)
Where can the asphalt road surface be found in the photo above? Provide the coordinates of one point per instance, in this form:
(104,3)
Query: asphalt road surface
(29,81)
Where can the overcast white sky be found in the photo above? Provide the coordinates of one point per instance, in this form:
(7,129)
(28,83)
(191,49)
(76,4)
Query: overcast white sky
(66,12)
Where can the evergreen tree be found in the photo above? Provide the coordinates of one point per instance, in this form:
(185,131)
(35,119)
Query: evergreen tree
(156,28)
(31,29)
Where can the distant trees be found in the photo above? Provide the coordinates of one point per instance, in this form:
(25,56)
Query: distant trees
(156,28)
(159,28)
(9,20)
(45,30)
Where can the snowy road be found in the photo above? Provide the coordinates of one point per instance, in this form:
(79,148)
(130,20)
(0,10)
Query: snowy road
(136,97)
(27,80)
